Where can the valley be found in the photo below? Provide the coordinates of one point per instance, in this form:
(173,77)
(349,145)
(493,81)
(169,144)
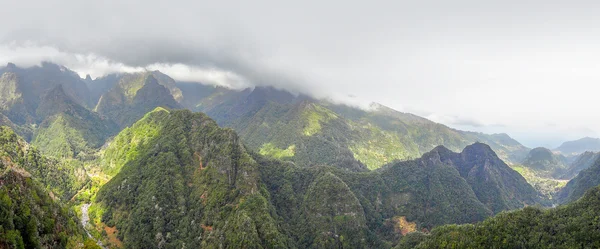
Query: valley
(140,160)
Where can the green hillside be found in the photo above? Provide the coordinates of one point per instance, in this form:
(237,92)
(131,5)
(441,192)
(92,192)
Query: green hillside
(571,226)
(585,180)
(30,213)
(311,132)
(188,183)
(171,161)
(68,129)
(133,96)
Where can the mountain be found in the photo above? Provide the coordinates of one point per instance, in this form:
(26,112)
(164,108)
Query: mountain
(62,179)
(195,93)
(48,103)
(581,162)
(188,183)
(12,102)
(397,199)
(579,146)
(135,95)
(311,132)
(174,170)
(67,129)
(100,85)
(494,183)
(545,162)
(130,83)
(23,88)
(570,226)
(543,169)
(585,180)
(31,217)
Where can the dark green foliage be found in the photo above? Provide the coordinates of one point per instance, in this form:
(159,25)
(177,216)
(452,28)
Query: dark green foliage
(575,225)
(411,240)
(430,191)
(495,184)
(585,180)
(190,183)
(62,178)
(29,218)
(333,216)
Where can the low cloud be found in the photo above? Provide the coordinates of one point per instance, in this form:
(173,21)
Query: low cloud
(519,64)
(455,121)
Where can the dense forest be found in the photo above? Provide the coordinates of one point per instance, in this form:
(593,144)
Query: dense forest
(130,160)
(30,215)
(575,225)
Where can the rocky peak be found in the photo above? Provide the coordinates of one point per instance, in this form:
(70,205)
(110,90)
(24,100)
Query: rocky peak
(11,66)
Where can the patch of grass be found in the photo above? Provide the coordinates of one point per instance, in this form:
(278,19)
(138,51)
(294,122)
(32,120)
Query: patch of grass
(314,116)
(271,150)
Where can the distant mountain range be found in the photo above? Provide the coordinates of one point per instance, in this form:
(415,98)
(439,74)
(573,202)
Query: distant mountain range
(579,146)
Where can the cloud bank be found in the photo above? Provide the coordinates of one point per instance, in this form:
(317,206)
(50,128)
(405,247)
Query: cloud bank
(469,63)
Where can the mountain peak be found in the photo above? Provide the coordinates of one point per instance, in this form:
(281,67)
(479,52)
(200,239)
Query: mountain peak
(151,80)
(541,158)
(88,77)
(542,151)
(54,94)
(442,150)
(11,65)
(479,149)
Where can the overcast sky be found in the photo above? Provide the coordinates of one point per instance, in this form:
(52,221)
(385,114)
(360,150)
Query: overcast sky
(527,68)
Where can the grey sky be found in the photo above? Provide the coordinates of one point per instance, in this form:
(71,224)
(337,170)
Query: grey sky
(528,68)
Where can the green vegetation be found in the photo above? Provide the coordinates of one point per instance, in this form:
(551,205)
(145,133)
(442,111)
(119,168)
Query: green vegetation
(130,100)
(126,145)
(581,162)
(347,137)
(547,186)
(63,178)
(544,163)
(175,179)
(29,215)
(191,184)
(571,226)
(180,172)
(269,149)
(378,147)
(429,191)
(29,218)
(314,117)
(585,180)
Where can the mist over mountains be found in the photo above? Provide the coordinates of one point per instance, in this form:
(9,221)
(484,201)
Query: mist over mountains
(149,161)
